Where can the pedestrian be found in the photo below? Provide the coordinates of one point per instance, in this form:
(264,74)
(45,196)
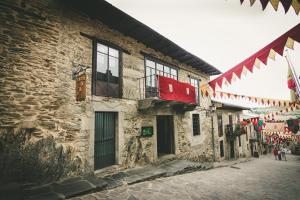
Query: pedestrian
(283,157)
(275,152)
(279,154)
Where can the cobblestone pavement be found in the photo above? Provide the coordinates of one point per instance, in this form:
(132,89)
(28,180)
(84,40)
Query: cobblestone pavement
(262,178)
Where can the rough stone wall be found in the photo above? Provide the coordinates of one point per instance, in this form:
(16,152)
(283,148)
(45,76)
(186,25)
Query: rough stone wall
(239,151)
(40,46)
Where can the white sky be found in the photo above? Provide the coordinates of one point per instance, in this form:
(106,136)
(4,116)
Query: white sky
(223,33)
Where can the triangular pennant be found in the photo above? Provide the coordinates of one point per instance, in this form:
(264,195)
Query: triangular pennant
(272,54)
(296,6)
(264,3)
(238,72)
(228,77)
(290,43)
(286,4)
(245,71)
(257,63)
(264,57)
(220,82)
(280,46)
(252,2)
(275,4)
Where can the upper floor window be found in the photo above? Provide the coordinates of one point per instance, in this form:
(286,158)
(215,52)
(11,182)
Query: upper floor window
(107,67)
(220,125)
(195,82)
(154,68)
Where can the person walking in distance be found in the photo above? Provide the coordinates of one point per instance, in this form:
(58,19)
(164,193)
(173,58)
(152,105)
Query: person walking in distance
(283,157)
(275,152)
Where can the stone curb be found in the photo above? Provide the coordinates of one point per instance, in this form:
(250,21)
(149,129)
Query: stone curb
(77,186)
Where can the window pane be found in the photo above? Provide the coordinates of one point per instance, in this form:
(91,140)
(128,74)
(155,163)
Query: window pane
(160,69)
(173,73)
(150,63)
(113,52)
(153,79)
(102,48)
(114,66)
(101,63)
(167,71)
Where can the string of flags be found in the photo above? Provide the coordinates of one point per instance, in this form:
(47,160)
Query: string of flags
(262,56)
(259,100)
(275,3)
(288,109)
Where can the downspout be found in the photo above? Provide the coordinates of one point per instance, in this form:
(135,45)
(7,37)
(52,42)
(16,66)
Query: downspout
(213,137)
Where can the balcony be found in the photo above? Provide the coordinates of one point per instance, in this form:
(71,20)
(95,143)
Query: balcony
(230,133)
(160,92)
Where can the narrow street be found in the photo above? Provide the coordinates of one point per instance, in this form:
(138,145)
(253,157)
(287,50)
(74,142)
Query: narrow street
(263,178)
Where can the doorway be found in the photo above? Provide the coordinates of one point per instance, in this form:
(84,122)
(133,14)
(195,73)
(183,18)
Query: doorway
(232,149)
(165,135)
(104,149)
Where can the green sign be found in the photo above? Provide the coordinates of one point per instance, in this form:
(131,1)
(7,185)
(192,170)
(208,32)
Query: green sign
(147,131)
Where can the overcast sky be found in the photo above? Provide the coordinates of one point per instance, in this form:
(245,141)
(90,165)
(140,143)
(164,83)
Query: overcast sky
(223,33)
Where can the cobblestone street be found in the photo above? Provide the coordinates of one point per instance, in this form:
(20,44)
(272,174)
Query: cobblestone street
(263,178)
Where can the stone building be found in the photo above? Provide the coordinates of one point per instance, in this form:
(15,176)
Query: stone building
(83,74)
(233,138)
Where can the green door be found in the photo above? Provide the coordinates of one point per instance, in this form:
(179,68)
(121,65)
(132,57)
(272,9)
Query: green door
(104,150)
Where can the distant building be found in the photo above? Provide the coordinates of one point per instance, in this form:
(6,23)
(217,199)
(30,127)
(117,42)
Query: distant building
(233,138)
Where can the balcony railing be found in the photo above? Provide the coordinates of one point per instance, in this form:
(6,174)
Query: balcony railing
(155,89)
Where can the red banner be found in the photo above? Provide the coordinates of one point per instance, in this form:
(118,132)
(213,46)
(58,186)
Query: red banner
(173,90)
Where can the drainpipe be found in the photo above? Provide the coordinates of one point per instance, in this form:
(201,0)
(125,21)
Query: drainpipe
(213,137)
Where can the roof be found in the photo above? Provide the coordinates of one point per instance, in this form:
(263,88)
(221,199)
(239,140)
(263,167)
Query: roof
(229,106)
(129,26)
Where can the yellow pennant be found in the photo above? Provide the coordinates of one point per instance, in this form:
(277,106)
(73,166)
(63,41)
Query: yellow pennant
(290,43)
(272,54)
(234,77)
(275,4)
(257,63)
(252,2)
(296,6)
(244,71)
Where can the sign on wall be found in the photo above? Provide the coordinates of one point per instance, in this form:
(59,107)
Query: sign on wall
(147,131)
(81,87)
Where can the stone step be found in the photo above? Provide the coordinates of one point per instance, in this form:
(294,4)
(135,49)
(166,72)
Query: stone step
(72,189)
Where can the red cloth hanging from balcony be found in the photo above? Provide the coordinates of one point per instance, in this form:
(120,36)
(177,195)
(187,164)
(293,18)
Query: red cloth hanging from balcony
(173,90)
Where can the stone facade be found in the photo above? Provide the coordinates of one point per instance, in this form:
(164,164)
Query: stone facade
(40,47)
(241,144)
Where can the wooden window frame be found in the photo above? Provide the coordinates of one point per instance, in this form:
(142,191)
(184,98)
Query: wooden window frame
(198,87)
(94,66)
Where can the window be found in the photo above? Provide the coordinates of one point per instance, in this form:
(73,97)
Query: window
(154,68)
(196,124)
(221,149)
(230,119)
(220,125)
(240,144)
(195,83)
(107,67)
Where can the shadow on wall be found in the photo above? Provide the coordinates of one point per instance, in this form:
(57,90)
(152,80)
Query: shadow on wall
(41,161)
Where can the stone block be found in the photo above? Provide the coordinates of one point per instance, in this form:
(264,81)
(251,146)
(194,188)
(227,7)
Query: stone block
(72,189)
